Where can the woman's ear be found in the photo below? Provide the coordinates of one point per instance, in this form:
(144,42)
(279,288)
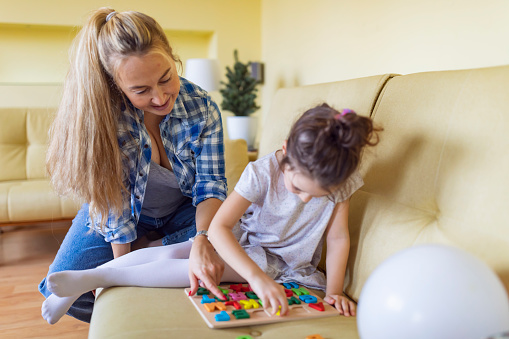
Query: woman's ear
(283,148)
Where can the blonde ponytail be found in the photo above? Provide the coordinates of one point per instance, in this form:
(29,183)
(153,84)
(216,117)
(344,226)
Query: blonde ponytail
(84,159)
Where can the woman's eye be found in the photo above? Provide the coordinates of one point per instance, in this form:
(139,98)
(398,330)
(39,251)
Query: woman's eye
(141,92)
(165,81)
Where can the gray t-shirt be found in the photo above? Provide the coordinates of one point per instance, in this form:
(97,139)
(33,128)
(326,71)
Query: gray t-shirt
(162,195)
(280,233)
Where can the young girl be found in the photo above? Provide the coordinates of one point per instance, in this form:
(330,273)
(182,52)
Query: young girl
(270,229)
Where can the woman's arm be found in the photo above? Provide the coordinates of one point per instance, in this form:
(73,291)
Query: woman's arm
(221,236)
(120,249)
(338,247)
(204,263)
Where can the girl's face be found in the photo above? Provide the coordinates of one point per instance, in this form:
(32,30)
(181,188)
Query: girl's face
(302,185)
(150,82)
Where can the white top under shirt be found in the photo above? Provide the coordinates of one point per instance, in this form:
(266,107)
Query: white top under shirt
(280,233)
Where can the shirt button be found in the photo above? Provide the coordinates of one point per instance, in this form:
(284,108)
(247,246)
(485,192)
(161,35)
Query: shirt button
(137,197)
(141,174)
(146,146)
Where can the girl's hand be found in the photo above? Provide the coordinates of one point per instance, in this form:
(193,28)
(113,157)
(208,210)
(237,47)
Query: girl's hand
(344,305)
(270,293)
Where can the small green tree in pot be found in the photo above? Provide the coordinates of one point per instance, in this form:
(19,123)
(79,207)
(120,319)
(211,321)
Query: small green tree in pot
(239,95)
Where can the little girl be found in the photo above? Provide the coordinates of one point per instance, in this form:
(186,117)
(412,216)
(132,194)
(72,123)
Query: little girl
(270,229)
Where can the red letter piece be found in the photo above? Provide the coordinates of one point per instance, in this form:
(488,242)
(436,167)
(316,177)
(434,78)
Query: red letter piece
(317,306)
(236,288)
(234,304)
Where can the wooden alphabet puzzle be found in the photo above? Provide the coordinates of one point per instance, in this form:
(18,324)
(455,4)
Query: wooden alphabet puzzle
(244,308)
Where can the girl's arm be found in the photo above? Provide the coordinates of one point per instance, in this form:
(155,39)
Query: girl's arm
(338,247)
(225,243)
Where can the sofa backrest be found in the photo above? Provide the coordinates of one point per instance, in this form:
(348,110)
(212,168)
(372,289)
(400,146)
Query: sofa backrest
(289,103)
(23,142)
(439,174)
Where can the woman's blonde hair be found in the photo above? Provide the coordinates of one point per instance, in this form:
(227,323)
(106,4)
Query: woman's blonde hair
(84,159)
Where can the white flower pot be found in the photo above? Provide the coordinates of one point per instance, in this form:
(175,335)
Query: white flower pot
(242,128)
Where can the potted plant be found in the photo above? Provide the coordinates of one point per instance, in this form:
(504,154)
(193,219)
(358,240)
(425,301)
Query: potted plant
(239,95)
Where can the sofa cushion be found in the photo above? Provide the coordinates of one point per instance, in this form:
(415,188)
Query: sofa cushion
(33,200)
(133,312)
(13,142)
(23,142)
(439,172)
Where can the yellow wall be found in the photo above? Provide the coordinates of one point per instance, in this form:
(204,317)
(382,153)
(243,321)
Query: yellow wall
(307,42)
(35,34)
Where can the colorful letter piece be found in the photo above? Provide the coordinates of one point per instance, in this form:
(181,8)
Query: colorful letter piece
(236,288)
(290,285)
(300,291)
(308,299)
(293,300)
(224,299)
(314,336)
(223,290)
(317,306)
(237,296)
(211,307)
(251,295)
(244,337)
(222,316)
(202,291)
(288,293)
(240,314)
(205,299)
(249,304)
(234,304)
(240,288)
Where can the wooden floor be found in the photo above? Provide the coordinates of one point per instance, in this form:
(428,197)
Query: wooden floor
(25,254)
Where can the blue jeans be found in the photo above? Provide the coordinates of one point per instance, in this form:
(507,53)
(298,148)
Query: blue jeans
(82,249)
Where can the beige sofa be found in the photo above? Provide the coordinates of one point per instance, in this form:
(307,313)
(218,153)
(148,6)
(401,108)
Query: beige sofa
(26,196)
(439,175)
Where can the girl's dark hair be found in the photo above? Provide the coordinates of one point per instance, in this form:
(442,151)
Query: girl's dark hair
(326,145)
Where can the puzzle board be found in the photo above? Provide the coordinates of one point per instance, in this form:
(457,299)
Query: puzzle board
(244,309)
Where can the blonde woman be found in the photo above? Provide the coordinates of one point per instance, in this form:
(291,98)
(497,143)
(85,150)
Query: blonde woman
(140,146)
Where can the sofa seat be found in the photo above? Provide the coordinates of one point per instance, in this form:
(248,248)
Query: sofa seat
(32,201)
(168,313)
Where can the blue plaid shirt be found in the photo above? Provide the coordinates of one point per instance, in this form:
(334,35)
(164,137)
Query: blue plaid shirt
(192,136)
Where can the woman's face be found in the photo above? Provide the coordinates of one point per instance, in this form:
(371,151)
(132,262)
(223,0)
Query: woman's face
(150,82)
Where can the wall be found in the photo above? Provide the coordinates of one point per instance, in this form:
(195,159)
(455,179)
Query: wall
(35,35)
(306,42)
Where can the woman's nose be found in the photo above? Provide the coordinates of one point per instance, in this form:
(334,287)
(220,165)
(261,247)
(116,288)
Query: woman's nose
(158,97)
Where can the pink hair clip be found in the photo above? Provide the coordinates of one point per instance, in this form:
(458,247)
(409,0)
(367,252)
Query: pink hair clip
(344,112)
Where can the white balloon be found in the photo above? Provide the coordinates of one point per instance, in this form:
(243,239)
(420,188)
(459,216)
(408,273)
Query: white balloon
(432,292)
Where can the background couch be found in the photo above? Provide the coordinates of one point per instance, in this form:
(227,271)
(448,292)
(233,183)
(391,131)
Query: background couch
(26,195)
(437,176)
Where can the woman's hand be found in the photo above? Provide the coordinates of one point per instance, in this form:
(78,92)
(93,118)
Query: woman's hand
(270,293)
(206,266)
(344,305)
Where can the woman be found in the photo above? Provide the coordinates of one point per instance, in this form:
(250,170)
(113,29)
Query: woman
(142,147)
